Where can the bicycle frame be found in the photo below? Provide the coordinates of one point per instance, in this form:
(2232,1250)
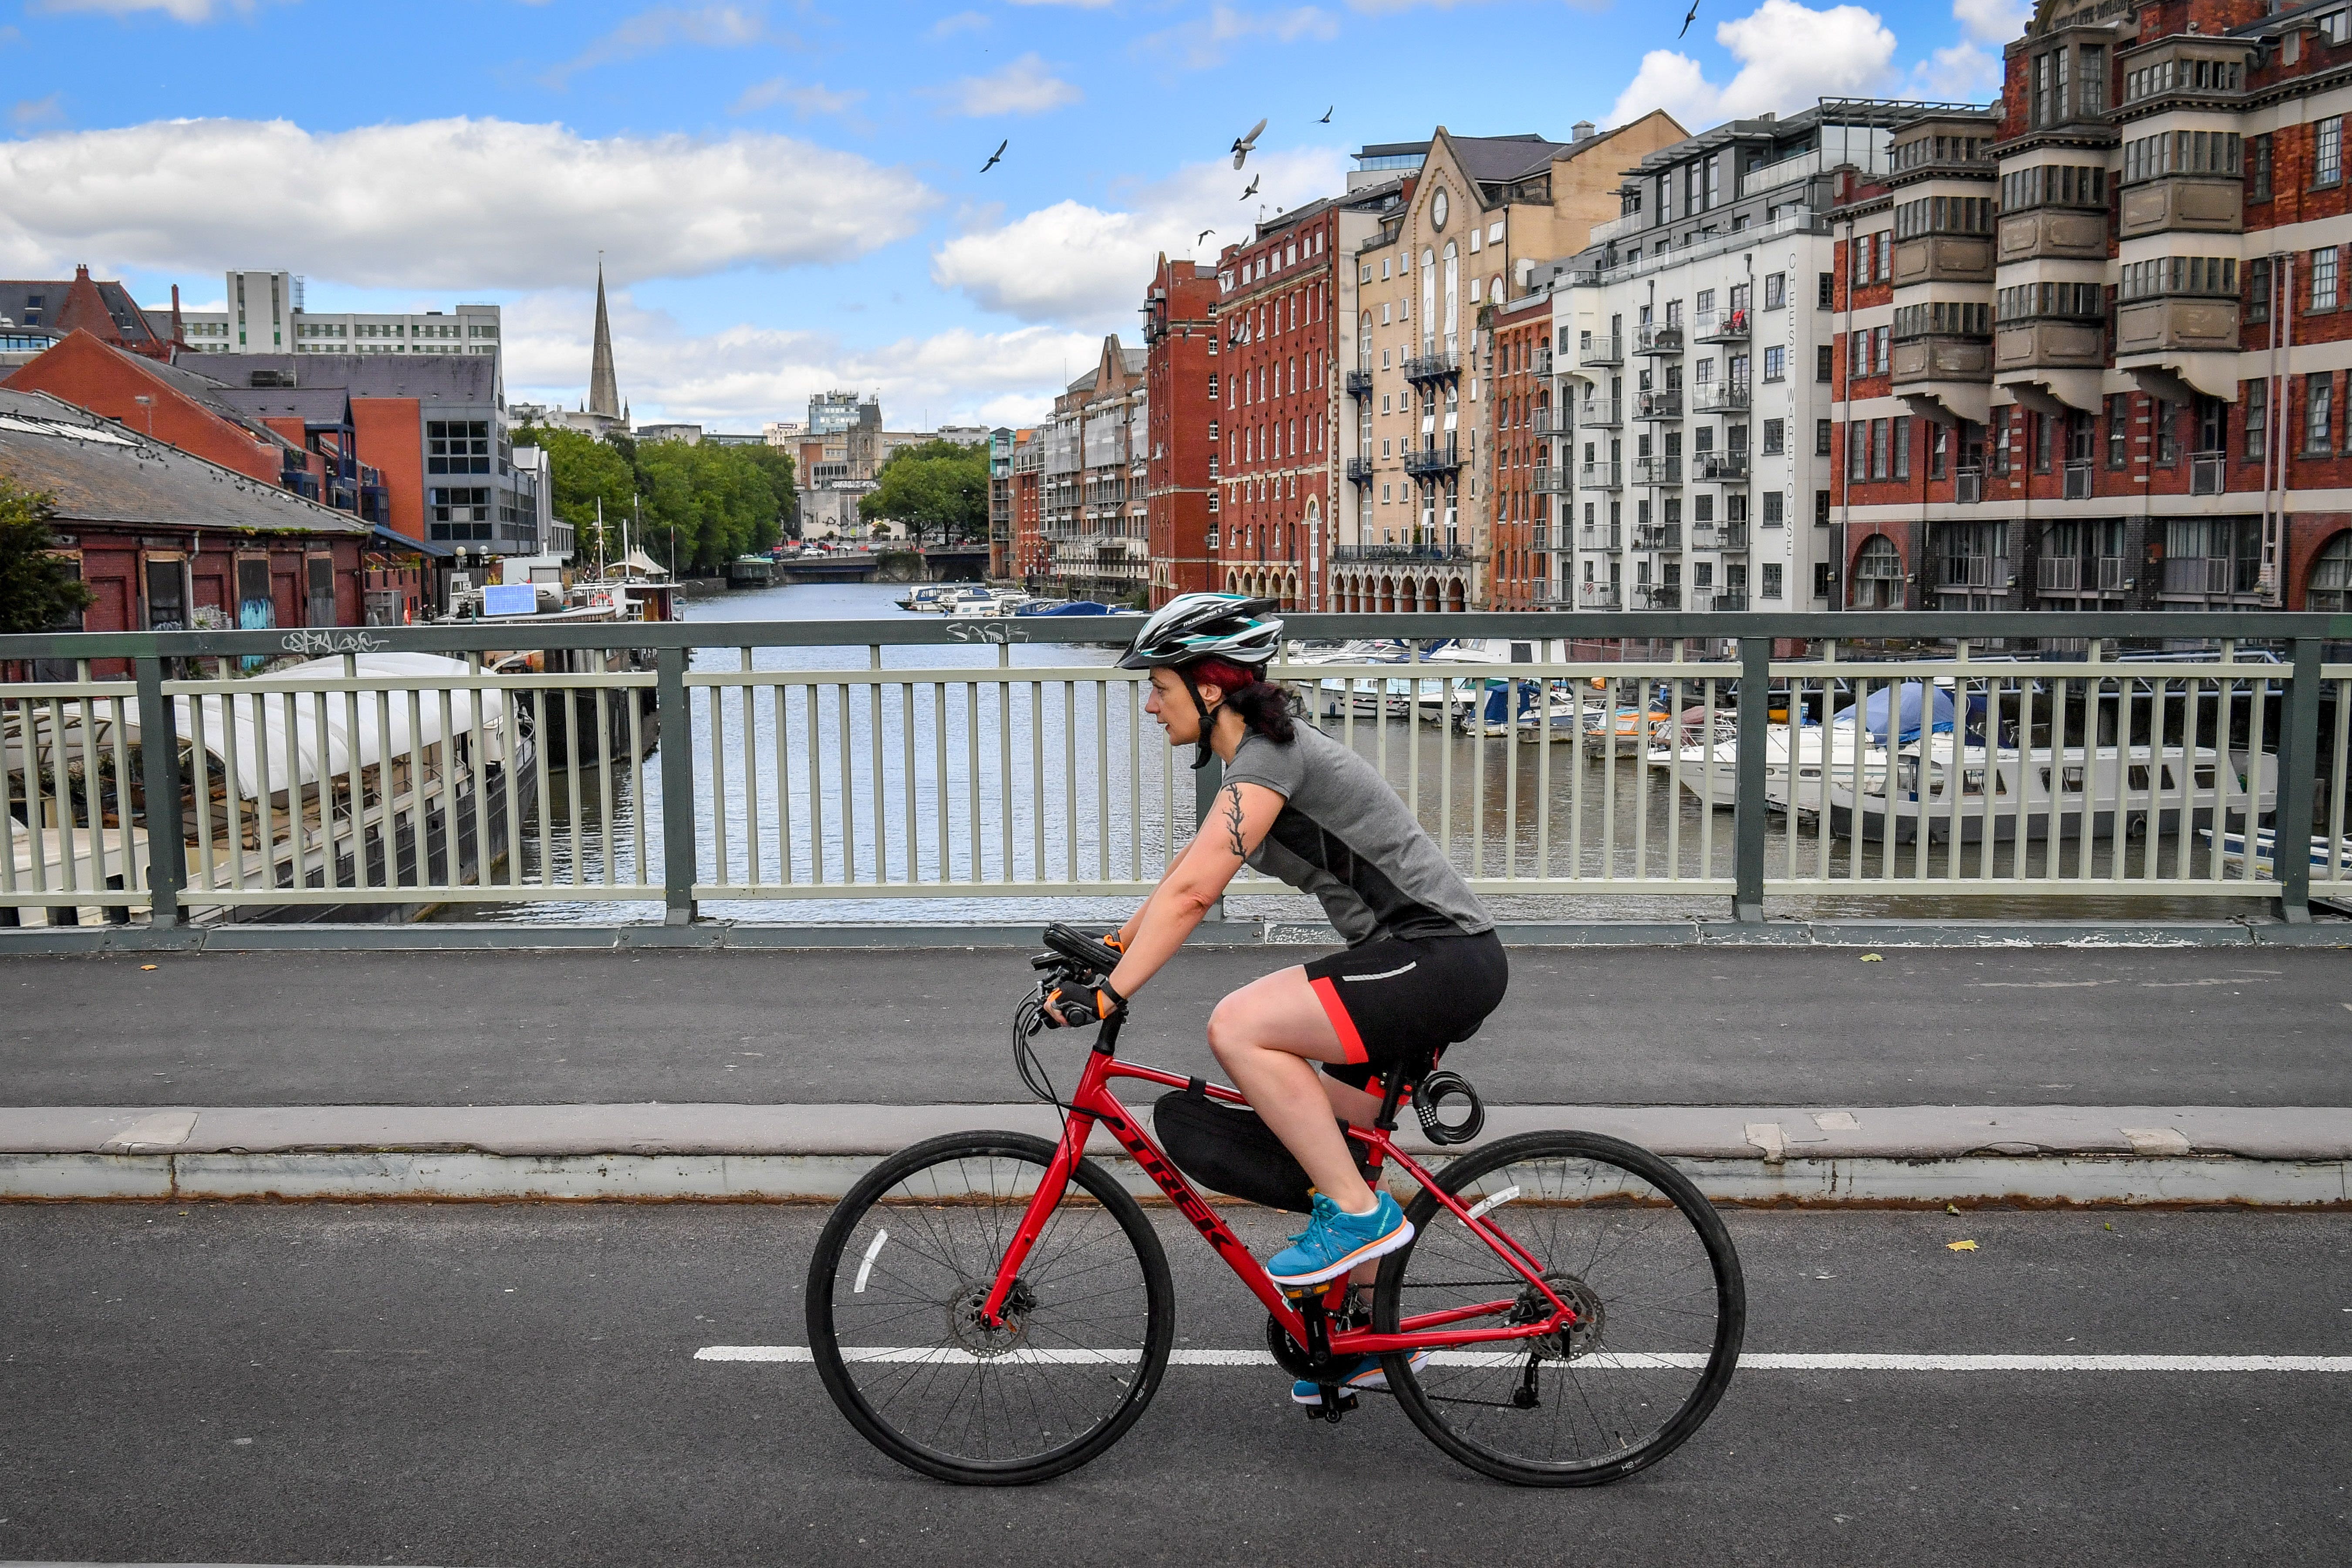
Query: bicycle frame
(1094,1103)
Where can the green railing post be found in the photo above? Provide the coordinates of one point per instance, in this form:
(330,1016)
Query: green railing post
(167,832)
(681,852)
(1748,802)
(2298,768)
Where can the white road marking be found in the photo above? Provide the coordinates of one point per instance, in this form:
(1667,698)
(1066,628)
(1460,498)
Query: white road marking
(865,1270)
(1753,1360)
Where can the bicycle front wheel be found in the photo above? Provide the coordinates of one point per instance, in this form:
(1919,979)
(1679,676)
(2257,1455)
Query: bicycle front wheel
(1631,1247)
(894,1293)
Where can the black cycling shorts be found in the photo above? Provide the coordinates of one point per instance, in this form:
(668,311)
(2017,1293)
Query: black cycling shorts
(1406,999)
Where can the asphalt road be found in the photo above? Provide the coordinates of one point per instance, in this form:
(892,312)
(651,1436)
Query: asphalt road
(514,1386)
(1639,1026)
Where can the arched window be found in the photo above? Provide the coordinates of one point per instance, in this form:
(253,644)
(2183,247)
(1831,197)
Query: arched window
(1878,575)
(1429,301)
(2329,587)
(1452,297)
(1364,340)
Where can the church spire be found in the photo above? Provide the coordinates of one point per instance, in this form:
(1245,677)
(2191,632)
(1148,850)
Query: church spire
(604,388)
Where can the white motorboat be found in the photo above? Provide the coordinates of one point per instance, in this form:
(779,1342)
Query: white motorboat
(1814,748)
(1974,790)
(2233,848)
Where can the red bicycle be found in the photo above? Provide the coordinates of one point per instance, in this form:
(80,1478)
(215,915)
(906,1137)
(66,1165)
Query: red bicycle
(995,1309)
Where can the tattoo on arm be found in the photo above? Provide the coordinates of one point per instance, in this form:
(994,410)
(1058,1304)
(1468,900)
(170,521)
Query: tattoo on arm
(1233,821)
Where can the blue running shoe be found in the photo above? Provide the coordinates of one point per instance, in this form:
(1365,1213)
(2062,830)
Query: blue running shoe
(1334,1241)
(1369,1376)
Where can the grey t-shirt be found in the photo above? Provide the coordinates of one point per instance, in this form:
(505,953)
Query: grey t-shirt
(1344,837)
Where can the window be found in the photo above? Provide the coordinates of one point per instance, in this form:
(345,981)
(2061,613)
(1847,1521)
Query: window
(1900,426)
(1773,362)
(1944,214)
(1821,570)
(1772,436)
(2323,279)
(458,446)
(1939,452)
(1879,338)
(1775,504)
(2075,301)
(1826,295)
(1943,319)
(1878,448)
(2040,429)
(2258,289)
(1820,508)
(459,514)
(1772,579)
(2053,185)
(2192,153)
(1857,451)
(2328,151)
(2258,410)
(2210,275)
(2118,431)
(1820,437)
(1861,259)
(2318,410)
(2258,185)
(1775,290)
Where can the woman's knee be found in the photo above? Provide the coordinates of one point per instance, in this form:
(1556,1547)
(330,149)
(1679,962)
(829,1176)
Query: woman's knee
(1229,1034)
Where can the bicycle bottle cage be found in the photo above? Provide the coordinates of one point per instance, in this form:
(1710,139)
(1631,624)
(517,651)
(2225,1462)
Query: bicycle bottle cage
(1428,1098)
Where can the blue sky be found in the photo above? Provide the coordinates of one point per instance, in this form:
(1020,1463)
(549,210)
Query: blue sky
(789,195)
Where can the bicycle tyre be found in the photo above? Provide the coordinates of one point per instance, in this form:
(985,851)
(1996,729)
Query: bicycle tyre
(897,1183)
(1610,1197)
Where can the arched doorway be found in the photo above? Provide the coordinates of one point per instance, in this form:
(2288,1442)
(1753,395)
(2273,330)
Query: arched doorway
(1877,576)
(2329,587)
(1454,597)
(1408,596)
(1290,591)
(1388,594)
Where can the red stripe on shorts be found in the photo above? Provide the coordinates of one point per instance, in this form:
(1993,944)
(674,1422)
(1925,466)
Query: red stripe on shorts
(1343,1026)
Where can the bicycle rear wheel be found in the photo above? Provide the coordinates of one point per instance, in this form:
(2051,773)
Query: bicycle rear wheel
(1628,1242)
(902,1269)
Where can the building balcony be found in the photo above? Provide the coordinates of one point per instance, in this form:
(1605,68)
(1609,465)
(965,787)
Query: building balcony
(1720,327)
(1728,466)
(1438,457)
(1545,422)
(1543,362)
(2078,479)
(1658,536)
(1940,356)
(1551,481)
(1359,383)
(2209,473)
(2211,576)
(2176,325)
(1732,537)
(2101,575)
(1600,538)
(1722,398)
(1668,596)
(1657,470)
(1968,486)
(1401,552)
(1729,601)
(1659,339)
(1598,596)
(1661,404)
(1601,476)
(1602,350)
(1943,258)
(1596,415)
(2052,233)
(1359,470)
(2049,343)
(2194,204)
(1435,365)
(1984,573)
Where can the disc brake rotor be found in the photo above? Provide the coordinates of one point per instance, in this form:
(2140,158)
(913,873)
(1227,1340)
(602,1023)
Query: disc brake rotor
(968,1319)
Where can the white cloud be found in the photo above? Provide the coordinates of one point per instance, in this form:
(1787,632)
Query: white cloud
(711,26)
(962,22)
(1086,267)
(1073,5)
(1026,86)
(33,111)
(1993,21)
(1198,47)
(814,98)
(441,203)
(742,375)
(1788,54)
(1961,71)
(178,10)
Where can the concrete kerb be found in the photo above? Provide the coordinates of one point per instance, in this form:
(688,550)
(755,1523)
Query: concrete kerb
(1881,1156)
(718,935)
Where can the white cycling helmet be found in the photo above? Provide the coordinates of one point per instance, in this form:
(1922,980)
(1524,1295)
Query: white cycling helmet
(1190,627)
(1195,627)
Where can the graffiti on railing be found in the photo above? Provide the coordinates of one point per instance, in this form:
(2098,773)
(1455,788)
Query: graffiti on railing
(325,642)
(986,632)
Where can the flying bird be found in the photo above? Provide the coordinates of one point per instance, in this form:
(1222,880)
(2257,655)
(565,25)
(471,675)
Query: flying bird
(1327,116)
(1689,19)
(997,156)
(1253,186)
(1203,235)
(1244,146)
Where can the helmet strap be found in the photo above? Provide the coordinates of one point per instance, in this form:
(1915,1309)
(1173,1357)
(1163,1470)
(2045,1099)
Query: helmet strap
(1201,752)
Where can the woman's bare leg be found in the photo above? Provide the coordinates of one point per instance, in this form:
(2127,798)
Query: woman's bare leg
(1268,1034)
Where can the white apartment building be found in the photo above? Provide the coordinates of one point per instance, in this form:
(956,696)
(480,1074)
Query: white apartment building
(265,315)
(1696,345)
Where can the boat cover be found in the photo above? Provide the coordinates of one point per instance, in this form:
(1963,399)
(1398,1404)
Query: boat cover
(1914,700)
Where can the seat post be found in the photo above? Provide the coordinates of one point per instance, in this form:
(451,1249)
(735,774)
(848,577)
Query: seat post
(1392,1091)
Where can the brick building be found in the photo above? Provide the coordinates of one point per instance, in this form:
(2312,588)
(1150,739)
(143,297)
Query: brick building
(1030,555)
(1518,471)
(173,406)
(81,304)
(168,541)
(1181,394)
(2116,320)
(1095,527)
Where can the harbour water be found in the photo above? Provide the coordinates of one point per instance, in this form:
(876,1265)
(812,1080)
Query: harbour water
(1501,807)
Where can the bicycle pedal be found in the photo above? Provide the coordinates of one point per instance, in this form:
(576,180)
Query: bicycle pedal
(1331,1409)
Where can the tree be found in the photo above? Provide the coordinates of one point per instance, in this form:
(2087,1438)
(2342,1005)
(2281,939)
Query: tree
(38,588)
(585,471)
(938,490)
(714,503)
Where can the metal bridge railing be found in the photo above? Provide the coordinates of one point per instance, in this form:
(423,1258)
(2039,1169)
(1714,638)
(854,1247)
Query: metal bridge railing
(1754,756)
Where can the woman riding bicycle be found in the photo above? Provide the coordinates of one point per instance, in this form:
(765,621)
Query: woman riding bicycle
(1422,966)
